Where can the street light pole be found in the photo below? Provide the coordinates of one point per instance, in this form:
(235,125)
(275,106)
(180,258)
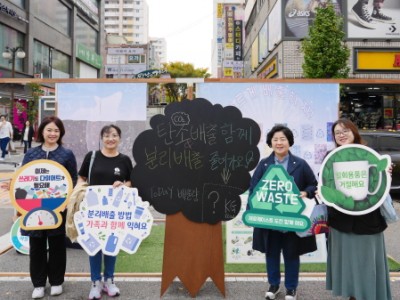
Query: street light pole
(12,54)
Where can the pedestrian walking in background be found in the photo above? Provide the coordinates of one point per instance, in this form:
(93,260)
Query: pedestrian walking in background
(27,135)
(357,264)
(6,134)
(109,167)
(273,242)
(47,250)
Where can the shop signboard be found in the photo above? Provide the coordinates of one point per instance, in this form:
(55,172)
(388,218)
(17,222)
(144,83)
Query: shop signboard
(88,56)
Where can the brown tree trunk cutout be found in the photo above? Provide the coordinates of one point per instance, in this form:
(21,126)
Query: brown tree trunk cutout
(192,252)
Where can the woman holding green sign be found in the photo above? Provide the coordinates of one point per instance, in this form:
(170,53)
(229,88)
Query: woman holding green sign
(273,242)
(357,265)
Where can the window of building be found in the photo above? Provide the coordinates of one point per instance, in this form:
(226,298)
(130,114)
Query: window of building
(41,60)
(54,13)
(9,37)
(86,35)
(20,3)
(60,64)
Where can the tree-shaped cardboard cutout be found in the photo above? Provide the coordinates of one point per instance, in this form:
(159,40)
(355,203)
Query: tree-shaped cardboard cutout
(276,203)
(193,165)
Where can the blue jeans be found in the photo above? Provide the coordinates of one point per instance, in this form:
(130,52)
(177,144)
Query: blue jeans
(95,266)
(3,146)
(276,241)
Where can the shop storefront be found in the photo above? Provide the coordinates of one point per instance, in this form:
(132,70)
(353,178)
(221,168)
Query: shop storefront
(372,106)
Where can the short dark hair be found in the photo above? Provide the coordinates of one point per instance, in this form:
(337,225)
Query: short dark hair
(107,128)
(285,130)
(45,122)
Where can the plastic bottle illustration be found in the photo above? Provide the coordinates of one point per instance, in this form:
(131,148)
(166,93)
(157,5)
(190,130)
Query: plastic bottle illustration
(111,243)
(105,200)
(81,229)
(92,198)
(118,198)
(126,198)
(110,192)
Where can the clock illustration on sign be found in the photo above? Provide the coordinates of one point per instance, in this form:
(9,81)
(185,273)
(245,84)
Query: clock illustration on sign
(40,218)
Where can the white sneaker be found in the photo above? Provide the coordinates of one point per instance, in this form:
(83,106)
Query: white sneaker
(38,293)
(56,290)
(95,291)
(110,288)
(1,158)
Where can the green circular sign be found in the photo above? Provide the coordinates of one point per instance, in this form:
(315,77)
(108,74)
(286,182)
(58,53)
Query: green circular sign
(354,179)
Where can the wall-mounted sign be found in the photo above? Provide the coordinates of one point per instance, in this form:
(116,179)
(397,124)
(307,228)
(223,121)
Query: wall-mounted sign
(10,12)
(150,73)
(125,50)
(88,56)
(377,59)
(270,70)
(136,59)
(238,51)
(124,69)
(86,11)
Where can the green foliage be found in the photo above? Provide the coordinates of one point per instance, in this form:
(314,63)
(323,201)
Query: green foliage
(33,106)
(177,92)
(325,54)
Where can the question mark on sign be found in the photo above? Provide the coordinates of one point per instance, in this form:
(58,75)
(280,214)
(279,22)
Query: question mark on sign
(216,200)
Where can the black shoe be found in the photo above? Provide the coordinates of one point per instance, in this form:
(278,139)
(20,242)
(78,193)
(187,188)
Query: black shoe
(272,292)
(360,11)
(291,295)
(377,15)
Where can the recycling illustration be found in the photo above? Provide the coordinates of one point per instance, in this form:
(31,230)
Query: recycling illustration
(276,203)
(111,219)
(39,191)
(354,179)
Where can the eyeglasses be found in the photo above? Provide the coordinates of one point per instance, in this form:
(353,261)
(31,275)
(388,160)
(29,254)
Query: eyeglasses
(343,132)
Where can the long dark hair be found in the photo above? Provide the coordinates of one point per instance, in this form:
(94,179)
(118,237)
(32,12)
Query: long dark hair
(45,122)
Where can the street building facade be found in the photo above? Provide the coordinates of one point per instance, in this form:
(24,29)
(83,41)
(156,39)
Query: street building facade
(273,33)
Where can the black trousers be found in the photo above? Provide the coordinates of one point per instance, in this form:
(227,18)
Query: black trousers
(43,266)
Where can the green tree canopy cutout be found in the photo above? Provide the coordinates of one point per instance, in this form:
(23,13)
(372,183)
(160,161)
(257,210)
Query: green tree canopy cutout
(276,203)
(354,179)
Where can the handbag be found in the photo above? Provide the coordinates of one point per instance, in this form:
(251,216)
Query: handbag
(77,196)
(387,210)
(319,221)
